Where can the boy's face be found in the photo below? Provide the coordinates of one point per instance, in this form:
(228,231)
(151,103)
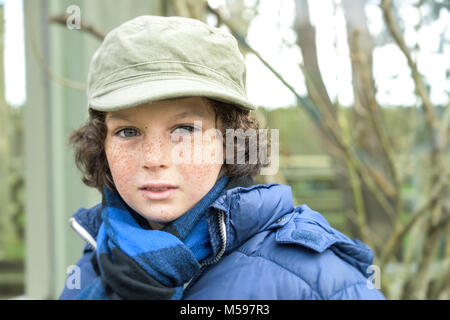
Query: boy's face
(140,146)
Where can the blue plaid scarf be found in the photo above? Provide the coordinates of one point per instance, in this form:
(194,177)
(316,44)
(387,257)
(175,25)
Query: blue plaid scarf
(135,262)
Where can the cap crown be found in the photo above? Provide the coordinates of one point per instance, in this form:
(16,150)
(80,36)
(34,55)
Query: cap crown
(152,48)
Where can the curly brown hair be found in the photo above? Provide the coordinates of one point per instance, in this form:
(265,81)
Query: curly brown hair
(90,157)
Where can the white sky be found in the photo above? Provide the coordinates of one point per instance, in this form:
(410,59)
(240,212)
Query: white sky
(267,33)
(14,54)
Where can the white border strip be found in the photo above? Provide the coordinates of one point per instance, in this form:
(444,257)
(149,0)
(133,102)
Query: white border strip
(83,233)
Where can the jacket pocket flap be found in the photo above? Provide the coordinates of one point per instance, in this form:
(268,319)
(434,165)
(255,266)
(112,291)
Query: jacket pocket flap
(309,236)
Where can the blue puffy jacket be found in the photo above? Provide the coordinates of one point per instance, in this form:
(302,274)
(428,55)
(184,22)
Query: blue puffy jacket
(266,249)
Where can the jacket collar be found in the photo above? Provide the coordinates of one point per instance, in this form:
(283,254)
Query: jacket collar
(253,209)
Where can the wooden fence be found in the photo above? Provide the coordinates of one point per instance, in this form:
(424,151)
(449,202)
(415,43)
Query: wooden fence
(313,183)
(11,278)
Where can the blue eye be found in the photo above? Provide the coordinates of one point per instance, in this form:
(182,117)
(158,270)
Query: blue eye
(181,131)
(128,133)
(185,129)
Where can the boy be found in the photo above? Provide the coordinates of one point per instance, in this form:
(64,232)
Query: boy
(177,221)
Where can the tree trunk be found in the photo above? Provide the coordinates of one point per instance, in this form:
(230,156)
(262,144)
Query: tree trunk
(307,43)
(365,110)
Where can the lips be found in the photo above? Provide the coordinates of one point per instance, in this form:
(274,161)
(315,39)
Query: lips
(157,186)
(158,191)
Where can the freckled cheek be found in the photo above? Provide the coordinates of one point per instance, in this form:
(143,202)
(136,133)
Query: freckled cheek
(199,175)
(213,153)
(211,150)
(123,162)
(203,175)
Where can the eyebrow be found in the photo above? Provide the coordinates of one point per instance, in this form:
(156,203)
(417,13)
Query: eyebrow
(116,116)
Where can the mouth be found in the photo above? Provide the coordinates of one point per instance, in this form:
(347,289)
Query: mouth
(158,191)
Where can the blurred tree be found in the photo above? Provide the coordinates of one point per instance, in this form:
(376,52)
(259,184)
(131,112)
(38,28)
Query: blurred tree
(366,149)
(437,213)
(189,8)
(353,192)
(368,133)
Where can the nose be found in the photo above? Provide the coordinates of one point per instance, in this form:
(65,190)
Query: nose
(155,153)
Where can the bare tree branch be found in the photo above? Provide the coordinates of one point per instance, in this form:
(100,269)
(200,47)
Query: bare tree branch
(374,111)
(430,116)
(59,79)
(62,19)
(84,26)
(331,124)
(421,212)
(372,182)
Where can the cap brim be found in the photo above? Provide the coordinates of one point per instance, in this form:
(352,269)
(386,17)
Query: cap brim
(147,91)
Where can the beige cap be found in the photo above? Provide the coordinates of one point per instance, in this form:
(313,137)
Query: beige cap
(152,58)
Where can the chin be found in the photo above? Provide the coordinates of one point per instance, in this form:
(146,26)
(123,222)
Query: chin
(156,218)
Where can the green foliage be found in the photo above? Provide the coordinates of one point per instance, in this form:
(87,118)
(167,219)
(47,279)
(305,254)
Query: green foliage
(14,210)
(298,135)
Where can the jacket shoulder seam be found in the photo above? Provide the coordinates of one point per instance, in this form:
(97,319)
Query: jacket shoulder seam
(284,268)
(345,288)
